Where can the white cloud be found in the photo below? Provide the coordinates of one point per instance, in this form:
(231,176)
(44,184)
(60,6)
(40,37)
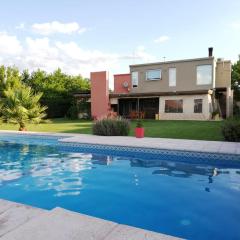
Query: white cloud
(139,55)
(57,27)
(235,25)
(9,45)
(48,55)
(162,39)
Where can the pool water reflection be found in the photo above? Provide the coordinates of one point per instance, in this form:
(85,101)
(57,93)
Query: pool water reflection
(187,200)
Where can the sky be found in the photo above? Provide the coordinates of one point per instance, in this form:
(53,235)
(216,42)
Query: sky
(95,35)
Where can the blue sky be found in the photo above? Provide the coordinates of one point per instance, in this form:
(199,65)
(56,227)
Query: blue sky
(83,36)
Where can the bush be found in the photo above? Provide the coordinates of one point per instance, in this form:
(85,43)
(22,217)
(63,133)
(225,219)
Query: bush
(231,130)
(236,110)
(72,112)
(58,106)
(111,127)
(139,124)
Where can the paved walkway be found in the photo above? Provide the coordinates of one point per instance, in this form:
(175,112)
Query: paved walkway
(159,143)
(21,222)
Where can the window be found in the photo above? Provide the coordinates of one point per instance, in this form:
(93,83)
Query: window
(134,79)
(172,77)
(204,74)
(154,75)
(173,106)
(197,105)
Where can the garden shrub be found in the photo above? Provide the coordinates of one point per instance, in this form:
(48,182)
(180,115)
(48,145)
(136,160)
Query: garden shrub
(236,110)
(73,111)
(111,127)
(231,130)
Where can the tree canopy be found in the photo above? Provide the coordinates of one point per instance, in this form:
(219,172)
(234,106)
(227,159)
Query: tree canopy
(21,106)
(57,87)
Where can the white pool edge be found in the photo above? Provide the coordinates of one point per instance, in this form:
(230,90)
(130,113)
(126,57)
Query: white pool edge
(19,221)
(220,147)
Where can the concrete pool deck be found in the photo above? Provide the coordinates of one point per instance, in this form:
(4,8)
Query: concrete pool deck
(157,143)
(21,222)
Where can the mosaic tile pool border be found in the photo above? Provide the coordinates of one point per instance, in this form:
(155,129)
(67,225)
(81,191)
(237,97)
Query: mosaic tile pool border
(152,153)
(222,159)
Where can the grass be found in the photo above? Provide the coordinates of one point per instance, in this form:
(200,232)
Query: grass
(199,130)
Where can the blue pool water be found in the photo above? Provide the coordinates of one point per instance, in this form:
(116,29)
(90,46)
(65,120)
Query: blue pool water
(193,201)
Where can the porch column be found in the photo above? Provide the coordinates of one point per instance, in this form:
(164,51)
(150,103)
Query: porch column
(118,106)
(138,108)
(229,102)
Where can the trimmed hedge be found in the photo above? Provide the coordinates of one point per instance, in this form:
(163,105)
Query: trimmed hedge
(111,127)
(231,130)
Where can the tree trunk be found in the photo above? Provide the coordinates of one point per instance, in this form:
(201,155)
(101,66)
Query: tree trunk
(22,127)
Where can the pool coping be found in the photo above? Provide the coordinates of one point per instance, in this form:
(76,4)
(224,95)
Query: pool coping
(19,221)
(218,147)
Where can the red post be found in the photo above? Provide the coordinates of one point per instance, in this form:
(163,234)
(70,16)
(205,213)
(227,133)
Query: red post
(99,94)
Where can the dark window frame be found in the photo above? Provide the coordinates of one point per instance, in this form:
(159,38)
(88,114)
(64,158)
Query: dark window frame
(198,105)
(154,70)
(169,106)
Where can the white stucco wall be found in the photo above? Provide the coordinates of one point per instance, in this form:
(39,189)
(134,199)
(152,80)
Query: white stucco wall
(188,108)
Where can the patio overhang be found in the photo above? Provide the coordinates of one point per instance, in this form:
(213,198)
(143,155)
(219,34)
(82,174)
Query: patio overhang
(82,95)
(156,94)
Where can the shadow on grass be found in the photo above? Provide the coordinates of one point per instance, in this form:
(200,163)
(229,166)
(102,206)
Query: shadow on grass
(82,130)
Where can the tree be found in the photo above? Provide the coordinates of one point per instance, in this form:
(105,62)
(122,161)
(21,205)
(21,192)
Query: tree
(236,80)
(21,106)
(57,88)
(9,78)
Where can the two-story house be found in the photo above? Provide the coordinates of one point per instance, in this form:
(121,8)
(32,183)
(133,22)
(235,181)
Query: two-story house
(191,89)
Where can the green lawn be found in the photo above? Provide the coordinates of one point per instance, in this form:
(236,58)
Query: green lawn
(204,130)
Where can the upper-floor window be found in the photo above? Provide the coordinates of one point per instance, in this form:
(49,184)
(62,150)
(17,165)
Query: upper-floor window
(174,106)
(134,79)
(204,74)
(198,105)
(172,77)
(155,74)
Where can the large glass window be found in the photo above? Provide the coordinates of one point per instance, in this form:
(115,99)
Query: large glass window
(134,79)
(204,74)
(197,105)
(173,106)
(154,74)
(172,77)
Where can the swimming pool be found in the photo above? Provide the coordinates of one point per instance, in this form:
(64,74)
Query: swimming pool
(163,192)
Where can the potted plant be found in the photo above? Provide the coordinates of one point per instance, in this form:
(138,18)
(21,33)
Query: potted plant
(139,130)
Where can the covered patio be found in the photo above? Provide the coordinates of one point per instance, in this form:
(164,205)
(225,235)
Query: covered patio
(143,108)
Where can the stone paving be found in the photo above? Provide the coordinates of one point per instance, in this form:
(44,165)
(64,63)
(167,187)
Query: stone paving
(159,143)
(21,222)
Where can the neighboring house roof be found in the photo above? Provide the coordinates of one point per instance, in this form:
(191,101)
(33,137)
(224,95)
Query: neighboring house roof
(82,95)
